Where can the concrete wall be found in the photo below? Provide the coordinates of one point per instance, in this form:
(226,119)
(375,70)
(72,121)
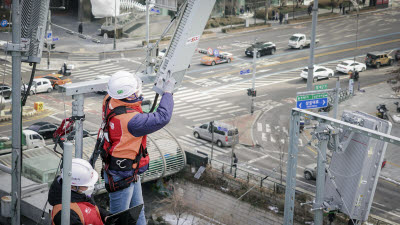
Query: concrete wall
(224,208)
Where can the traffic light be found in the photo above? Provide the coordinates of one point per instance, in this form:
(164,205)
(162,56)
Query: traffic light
(251,92)
(52,46)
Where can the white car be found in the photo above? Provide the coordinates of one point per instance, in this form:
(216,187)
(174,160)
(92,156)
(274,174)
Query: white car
(161,53)
(39,85)
(350,65)
(320,72)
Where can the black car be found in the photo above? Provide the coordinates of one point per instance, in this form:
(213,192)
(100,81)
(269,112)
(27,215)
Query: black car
(71,136)
(45,129)
(263,48)
(5,90)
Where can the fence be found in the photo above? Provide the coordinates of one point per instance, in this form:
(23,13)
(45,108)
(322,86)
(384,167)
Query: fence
(272,182)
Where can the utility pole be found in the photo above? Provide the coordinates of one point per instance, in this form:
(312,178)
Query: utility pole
(16,116)
(310,78)
(115,25)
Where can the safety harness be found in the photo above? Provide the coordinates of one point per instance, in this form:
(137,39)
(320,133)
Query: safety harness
(119,164)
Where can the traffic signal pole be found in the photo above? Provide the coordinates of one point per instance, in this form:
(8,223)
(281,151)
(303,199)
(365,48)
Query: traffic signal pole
(253,83)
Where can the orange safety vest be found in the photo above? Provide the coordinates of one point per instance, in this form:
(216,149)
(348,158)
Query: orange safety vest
(123,144)
(88,213)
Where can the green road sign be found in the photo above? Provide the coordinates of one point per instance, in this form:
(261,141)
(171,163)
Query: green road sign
(310,97)
(321,87)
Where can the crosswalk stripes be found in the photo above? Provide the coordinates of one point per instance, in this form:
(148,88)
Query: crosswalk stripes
(84,57)
(89,73)
(6,69)
(276,130)
(202,145)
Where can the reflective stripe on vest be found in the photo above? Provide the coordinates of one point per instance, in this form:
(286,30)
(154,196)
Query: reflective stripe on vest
(124,144)
(86,218)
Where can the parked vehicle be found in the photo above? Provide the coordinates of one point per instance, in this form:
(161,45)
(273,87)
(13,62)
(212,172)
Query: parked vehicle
(224,134)
(56,80)
(350,65)
(320,72)
(211,60)
(300,41)
(382,112)
(71,136)
(397,107)
(46,129)
(263,48)
(162,53)
(397,54)
(39,85)
(378,59)
(5,90)
(30,139)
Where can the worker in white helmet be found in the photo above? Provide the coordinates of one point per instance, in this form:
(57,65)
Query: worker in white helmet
(83,209)
(124,152)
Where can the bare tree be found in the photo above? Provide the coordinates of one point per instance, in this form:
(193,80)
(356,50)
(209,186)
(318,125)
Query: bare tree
(177,203)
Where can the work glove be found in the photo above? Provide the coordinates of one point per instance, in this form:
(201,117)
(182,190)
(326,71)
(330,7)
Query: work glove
(169,85)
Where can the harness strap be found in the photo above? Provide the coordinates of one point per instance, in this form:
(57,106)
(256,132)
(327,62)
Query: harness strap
(74,206)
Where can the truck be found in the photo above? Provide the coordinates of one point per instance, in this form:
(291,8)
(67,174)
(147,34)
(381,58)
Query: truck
(300,41)
(30,139)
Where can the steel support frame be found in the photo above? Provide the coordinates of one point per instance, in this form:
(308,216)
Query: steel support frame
(16,118)
(291,167)
(293,150)
(78,113)
(66,184)
(323,137)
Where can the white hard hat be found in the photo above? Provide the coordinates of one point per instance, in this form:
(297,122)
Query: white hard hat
(123,84)
(82,173)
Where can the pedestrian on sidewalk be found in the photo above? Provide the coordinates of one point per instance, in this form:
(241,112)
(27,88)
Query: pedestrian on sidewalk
(340,7)
(276,15)
(286,18)
(280,17)
(80,28)
(309,9)
(273,14)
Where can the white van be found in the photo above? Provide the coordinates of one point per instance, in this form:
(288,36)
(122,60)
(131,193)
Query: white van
(32,139)
(224,134)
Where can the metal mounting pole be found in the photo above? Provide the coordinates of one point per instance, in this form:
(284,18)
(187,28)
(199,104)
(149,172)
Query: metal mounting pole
(77,112)
(336,105)
(115,25)
(291,168)
(66,184)
(16,117)
(212,139)
(253,82)
(310,77)
(319,197)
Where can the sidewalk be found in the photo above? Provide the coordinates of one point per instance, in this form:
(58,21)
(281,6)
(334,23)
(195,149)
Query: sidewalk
(68,44)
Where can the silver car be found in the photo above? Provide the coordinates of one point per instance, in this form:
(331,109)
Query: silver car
(224,134)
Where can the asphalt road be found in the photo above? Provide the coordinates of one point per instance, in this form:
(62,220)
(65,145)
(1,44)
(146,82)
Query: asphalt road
(219,92)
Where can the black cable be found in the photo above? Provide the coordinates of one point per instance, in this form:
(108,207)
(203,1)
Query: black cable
(25,97)
(154,103)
